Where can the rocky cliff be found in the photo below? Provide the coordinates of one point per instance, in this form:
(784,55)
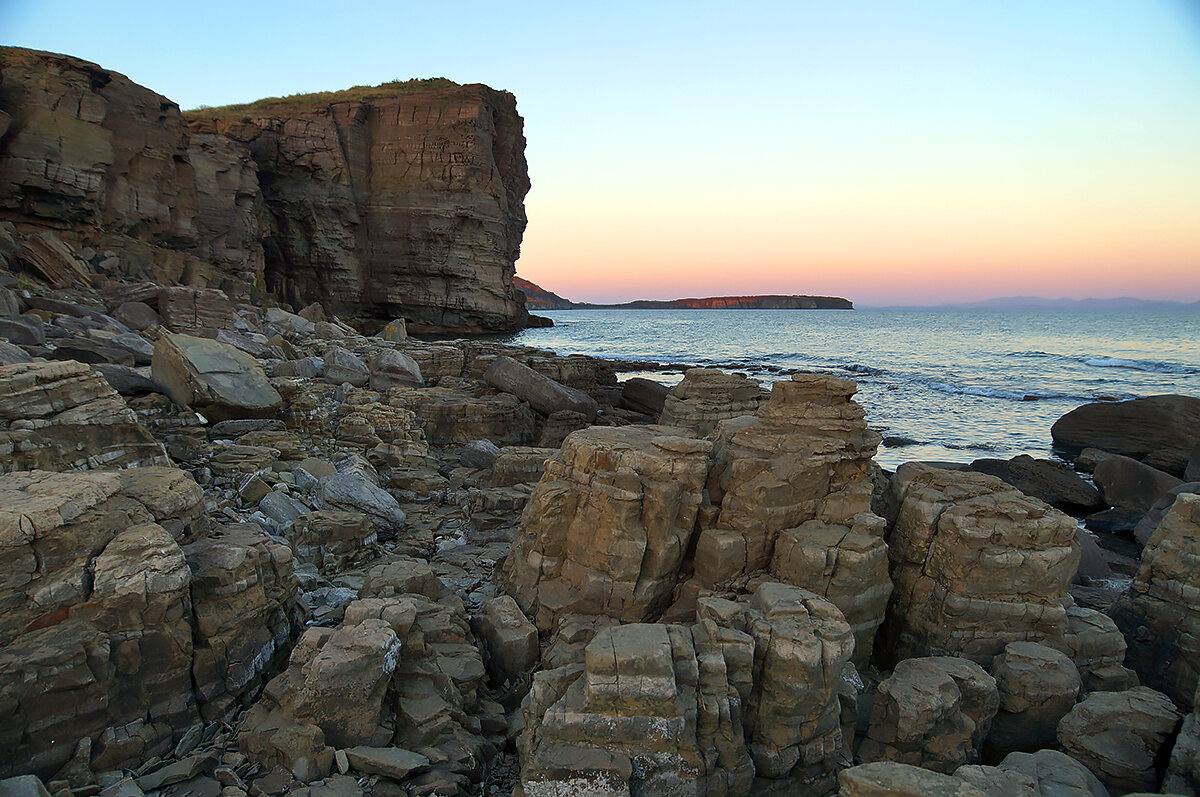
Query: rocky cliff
(403,200)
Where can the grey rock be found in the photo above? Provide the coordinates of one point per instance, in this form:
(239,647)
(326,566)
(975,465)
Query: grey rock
(304,368)
(1052,482)
(127,381)
(342,366)
(353,492)
(479,454)
(136,315)
(23,786)
(390,368)
(391,762)
(10,354)
(1126,483)
(644,395)
(215,379)
(1154,516)
(141,349)
(281,509)
(24,330)
(543,393)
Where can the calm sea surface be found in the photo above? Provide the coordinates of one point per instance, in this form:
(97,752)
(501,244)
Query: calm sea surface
(962,384)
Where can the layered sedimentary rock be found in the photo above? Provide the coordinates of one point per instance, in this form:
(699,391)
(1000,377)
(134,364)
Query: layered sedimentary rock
(65,416)
(407,200)
(707,396)
(606,529)
(1038,685)
(1159,614)
(743,702)
(96,637)
(89,149)
(242,589)
(976,564)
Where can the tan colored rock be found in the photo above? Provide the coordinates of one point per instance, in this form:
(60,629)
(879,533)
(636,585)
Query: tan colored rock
(1160,614)
(707,396)
(996,782)
(805,456)
(333,540)
(743,702)
(607,527)
(1038,686)
(893,779)
(920,717)
(95,634)
(976,565)
(215,379)
(242,590)
(519,465)
(512,641)
(1120,735)
(65,416)
(846,567)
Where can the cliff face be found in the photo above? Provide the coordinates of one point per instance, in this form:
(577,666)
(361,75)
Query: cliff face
(407,205)
(109,163)
(538,298)
(401,200)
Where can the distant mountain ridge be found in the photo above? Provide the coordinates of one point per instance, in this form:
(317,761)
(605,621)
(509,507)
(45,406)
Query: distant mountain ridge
(1043,303)
(538,298)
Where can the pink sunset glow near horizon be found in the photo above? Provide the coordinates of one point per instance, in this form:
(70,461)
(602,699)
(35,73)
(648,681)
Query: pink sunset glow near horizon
(891,153)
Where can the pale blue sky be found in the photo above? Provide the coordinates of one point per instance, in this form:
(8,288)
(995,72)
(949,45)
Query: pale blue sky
(689,148)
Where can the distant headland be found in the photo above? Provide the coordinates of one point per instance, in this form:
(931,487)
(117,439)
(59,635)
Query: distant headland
(538,298)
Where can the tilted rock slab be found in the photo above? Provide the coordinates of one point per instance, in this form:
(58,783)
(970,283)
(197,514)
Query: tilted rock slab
(1160,613)
(64,416)
(606,529)
(215,379)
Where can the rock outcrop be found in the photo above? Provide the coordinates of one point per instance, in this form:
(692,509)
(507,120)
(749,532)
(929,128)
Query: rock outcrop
(743,702)
(1137,428)
(707,396)
(976,564)
(403,200)
(1120,736)
(96,636)
(65,416)
(606,529)
(1159,614)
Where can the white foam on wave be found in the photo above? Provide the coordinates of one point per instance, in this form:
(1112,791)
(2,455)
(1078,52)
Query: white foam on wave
(1150,366)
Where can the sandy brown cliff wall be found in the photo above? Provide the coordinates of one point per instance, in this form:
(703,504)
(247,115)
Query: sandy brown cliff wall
(410,205)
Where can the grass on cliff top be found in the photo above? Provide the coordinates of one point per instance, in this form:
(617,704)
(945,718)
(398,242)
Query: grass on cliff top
(302,102)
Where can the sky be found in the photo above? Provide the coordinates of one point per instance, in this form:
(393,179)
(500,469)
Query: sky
(887,152)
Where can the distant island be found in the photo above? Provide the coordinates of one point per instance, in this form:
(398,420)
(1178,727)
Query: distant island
(538,298)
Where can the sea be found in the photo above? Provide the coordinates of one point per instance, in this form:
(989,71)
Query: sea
(950,385)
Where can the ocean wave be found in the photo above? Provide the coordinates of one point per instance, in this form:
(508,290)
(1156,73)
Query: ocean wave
(1105,361)
(971,390)
(1151,366)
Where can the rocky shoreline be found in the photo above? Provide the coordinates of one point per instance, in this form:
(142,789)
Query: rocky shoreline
(251,551)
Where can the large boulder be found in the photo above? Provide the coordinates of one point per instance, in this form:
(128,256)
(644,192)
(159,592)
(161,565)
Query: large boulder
(215,379)
(894,779)
(1120,736)
(1037,685)
(922,715)
(1159,615)
(1053,482)
(1134,428)
(685,710)
(353,493)
(644,395)
(1055,774)
(344,366)
(65,416)
(543,393)
(1128,484)
(976,564)
(606,529)
(390,368)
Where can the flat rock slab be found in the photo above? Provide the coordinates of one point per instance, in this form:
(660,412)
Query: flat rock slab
(216,379)
(391,762)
